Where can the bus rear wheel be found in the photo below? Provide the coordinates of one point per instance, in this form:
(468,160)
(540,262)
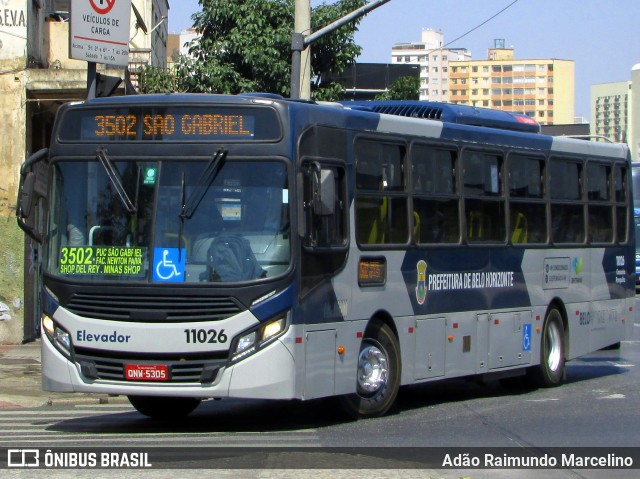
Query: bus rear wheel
(378,373)
(551,370)
(164,407)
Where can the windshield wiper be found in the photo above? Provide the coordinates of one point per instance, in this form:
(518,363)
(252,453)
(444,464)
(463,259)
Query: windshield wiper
(211,171)
(116,180)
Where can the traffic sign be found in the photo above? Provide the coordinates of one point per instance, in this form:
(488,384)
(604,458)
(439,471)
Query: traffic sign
(100,31)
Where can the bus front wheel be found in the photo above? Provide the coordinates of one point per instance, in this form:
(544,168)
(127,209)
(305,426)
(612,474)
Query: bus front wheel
(164,407)
(378,373)
(551,370)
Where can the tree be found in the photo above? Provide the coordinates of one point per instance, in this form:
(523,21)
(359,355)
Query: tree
(403,88)
(245,46)
(155,80)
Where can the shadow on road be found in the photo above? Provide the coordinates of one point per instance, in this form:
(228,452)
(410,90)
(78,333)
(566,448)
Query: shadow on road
(241,416)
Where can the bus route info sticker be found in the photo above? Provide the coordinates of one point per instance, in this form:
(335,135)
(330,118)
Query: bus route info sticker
(102,260)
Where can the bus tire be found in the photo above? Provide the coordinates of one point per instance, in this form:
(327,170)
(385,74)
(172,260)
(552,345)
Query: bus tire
(551,370)
(378,374)
(158,407)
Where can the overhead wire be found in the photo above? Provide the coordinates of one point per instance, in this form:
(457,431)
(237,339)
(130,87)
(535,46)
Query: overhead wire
(478,26)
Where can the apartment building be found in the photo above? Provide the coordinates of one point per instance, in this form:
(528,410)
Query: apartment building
(615,111)
(433,59)
(610,110)
(543,89)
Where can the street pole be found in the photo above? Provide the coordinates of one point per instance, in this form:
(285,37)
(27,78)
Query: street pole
(302,26)
(301,41)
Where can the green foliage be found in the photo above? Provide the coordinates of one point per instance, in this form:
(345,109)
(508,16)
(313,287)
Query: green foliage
(331,54)
(404,88)
(245,45)
(155,80)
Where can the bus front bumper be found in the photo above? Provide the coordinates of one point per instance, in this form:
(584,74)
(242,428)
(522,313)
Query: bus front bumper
(268,374)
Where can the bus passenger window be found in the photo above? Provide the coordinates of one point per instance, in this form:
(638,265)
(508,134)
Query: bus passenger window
(381,200)
(528,212)
(484,197)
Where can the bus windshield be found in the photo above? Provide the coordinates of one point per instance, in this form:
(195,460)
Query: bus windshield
(214,220)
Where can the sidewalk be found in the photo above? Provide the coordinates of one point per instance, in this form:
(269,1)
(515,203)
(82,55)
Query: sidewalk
(20,382)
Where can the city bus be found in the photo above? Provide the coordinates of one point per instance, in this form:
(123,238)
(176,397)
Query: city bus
(635,175)
(201,247)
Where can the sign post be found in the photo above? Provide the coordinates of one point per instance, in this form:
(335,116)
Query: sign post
(100,31)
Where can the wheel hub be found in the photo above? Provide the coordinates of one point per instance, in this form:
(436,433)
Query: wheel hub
(373,369)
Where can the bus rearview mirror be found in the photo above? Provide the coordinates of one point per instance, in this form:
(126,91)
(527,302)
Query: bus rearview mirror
(25,197)
(325,193)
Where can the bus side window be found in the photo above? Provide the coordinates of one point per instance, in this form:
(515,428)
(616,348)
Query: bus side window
(528,216)
(435,199)
(567,207)
(381,199)
(484,200)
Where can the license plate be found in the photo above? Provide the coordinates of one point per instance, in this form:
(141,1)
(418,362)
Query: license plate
(146,372)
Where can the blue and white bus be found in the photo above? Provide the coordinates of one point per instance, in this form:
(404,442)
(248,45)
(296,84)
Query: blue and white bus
(204,246)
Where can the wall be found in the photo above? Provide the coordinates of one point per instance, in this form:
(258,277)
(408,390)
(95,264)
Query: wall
(634,113)
(13,62)
(564,95)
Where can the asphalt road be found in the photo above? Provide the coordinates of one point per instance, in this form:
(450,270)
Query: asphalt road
(596,407)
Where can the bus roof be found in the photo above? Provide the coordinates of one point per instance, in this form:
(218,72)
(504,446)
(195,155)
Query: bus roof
(445,112)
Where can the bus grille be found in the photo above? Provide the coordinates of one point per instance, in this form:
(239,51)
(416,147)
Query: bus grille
(183,369)
(145,308)
(414,111)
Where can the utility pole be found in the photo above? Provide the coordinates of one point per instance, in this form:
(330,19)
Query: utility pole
(302,25)
(301,41)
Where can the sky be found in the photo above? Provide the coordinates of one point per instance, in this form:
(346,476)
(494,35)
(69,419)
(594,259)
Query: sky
(602,37)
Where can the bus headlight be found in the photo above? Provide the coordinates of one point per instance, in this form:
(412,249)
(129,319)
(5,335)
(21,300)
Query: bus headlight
(58,336)
(254,340)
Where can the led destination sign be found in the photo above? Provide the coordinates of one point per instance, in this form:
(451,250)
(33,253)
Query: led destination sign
(102,260)
(171,124)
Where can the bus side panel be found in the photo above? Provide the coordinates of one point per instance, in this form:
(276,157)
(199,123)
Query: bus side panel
(588,289)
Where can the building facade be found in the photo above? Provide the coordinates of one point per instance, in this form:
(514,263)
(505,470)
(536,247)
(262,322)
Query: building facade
(543,89)
(610,110)
(36,77)
(433,60)
(615,111)
(633,138)
(364,81)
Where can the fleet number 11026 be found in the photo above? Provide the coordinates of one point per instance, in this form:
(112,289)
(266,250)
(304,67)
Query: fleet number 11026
(205,336)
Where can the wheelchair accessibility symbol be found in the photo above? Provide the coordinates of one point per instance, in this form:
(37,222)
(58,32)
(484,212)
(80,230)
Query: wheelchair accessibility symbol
(526,337)
(169,264)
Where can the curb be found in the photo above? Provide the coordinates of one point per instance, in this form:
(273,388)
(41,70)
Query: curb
(21,383)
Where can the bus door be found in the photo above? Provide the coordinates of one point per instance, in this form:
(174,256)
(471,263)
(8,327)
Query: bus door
(31,215)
